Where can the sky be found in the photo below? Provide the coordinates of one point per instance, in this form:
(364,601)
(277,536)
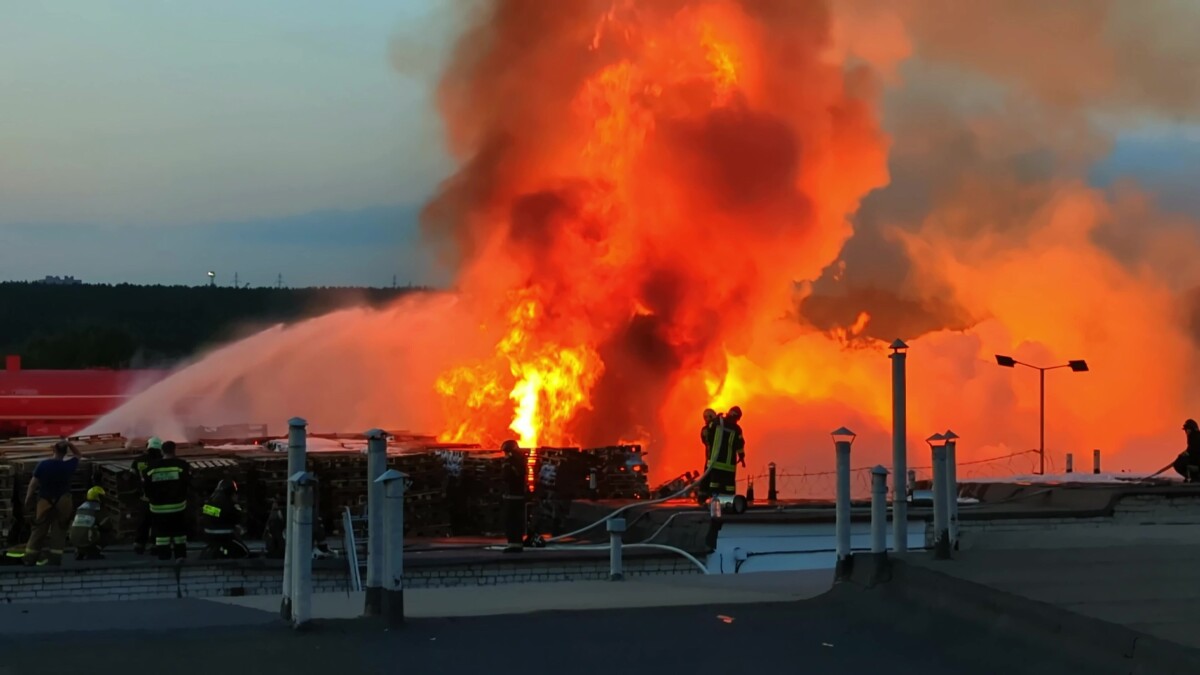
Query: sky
(149,142)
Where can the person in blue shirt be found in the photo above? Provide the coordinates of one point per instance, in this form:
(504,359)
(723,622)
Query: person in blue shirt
(49,498)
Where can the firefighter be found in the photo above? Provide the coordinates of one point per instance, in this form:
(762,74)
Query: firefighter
(706,436)
(49,498)
(221,519)
(513,471)
(273,531)
(167,483)
(728,450)
(89,530)
(710,416)
(141,464)
(1188,462)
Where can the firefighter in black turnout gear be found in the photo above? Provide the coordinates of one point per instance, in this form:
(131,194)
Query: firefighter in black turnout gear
(167,482)
(710,416)
(1188,462)
(141,464)
(727,451)
(515,494)
(221,518)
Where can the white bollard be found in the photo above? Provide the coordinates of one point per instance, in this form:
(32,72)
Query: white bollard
(952,485)
(1070,463)
(376,466)
(941,513)
(297,451)
(842,440)
(879,509)
(616,529)
(899,356)
(1096,461)
(303,490)
(393,524)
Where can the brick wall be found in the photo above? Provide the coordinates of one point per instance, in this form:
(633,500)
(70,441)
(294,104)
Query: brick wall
(1160,519)
(141,581)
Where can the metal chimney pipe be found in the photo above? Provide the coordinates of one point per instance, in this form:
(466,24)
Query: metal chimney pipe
(879,509)
(842,439)
(297,453)
(952,484)
(899,446)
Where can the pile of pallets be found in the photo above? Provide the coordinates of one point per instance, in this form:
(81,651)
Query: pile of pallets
(619,471)
(452,489)
(474,489)
(426,510)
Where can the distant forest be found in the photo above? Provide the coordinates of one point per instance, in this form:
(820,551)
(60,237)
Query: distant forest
(123,326)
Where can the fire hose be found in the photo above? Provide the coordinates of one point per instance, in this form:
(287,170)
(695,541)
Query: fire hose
(625,508)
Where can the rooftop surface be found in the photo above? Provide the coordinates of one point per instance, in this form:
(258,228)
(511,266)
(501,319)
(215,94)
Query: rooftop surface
(726,624)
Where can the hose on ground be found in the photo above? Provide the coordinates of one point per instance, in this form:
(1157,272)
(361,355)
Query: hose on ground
(661,547)
(625,508)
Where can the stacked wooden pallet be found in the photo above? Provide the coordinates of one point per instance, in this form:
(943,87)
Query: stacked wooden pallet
(452,489)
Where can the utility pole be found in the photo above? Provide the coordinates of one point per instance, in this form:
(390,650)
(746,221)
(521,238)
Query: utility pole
(393,282)
(279,281)
(236,283)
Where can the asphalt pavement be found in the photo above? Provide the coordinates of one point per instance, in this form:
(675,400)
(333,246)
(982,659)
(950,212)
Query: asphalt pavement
(829,634)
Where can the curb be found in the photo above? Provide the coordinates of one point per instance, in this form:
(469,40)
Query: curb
(1098,645)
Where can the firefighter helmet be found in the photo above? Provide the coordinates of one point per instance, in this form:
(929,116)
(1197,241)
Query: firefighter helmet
(1191,425)
(94,493)
(735,413)
(155,443)
(228,487)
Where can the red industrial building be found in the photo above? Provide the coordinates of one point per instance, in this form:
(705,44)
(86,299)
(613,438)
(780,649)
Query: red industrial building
(62,402)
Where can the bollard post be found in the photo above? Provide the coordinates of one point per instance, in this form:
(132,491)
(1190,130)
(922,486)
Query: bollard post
(941,533)
(879,509)
(1070,463)
(393,525)
(899,356)
(843,438)
(376,466)
(303,489)
(616,529)
(952,485)
(297,451)
(772,494)
(1096,461)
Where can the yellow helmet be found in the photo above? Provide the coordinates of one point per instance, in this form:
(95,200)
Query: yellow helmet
(94,493)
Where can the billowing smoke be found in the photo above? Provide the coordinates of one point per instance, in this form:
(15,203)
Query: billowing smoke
(662,205)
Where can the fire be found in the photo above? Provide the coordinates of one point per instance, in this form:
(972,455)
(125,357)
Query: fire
(644,153)
(667,205)
(546,382)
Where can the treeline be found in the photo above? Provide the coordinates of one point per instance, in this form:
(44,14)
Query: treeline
(123,326)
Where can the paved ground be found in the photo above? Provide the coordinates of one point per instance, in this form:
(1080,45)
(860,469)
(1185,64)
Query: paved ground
(1148,588)
(666,591)
(823,635)
(47,618)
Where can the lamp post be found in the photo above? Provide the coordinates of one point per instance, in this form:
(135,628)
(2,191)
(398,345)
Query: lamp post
(1076,366)
(212,279)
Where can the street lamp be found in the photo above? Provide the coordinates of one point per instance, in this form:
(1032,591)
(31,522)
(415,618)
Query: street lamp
(1076,366)
(212,278)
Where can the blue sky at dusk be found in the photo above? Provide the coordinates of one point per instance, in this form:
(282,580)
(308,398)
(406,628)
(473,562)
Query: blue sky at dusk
(150,141)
